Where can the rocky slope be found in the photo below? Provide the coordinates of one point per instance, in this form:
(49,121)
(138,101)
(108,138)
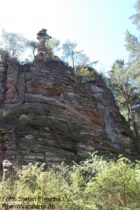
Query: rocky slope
(49,115)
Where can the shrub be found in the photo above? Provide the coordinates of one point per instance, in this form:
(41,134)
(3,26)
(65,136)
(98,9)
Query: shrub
(116,185)
(93,184)
(90,167)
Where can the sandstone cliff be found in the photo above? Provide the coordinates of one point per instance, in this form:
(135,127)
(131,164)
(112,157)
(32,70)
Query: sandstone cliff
(49,115)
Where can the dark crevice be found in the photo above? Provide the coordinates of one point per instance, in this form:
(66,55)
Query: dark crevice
(4,65)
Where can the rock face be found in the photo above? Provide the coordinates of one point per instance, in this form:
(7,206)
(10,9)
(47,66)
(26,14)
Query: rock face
(47,115)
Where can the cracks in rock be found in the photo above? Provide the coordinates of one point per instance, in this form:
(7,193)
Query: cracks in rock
(3,82)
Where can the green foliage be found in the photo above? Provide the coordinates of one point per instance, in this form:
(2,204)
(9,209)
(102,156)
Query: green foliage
(126,94)
(116,185)
(86,73)
(122,87)
(90,167)
(124,80)
(7,188)
(133,47)
(94,183)
(83,71)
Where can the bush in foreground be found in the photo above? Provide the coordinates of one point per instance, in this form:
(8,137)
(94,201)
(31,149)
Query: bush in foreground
(93,184)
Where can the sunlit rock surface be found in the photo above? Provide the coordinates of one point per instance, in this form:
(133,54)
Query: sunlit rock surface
(48,115)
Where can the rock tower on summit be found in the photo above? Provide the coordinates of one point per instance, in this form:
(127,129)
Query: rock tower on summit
(44,50)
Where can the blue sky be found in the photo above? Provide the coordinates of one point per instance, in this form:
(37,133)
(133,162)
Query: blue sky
(98,26)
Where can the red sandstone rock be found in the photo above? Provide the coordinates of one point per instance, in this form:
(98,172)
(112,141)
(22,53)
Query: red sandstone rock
(51,116)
